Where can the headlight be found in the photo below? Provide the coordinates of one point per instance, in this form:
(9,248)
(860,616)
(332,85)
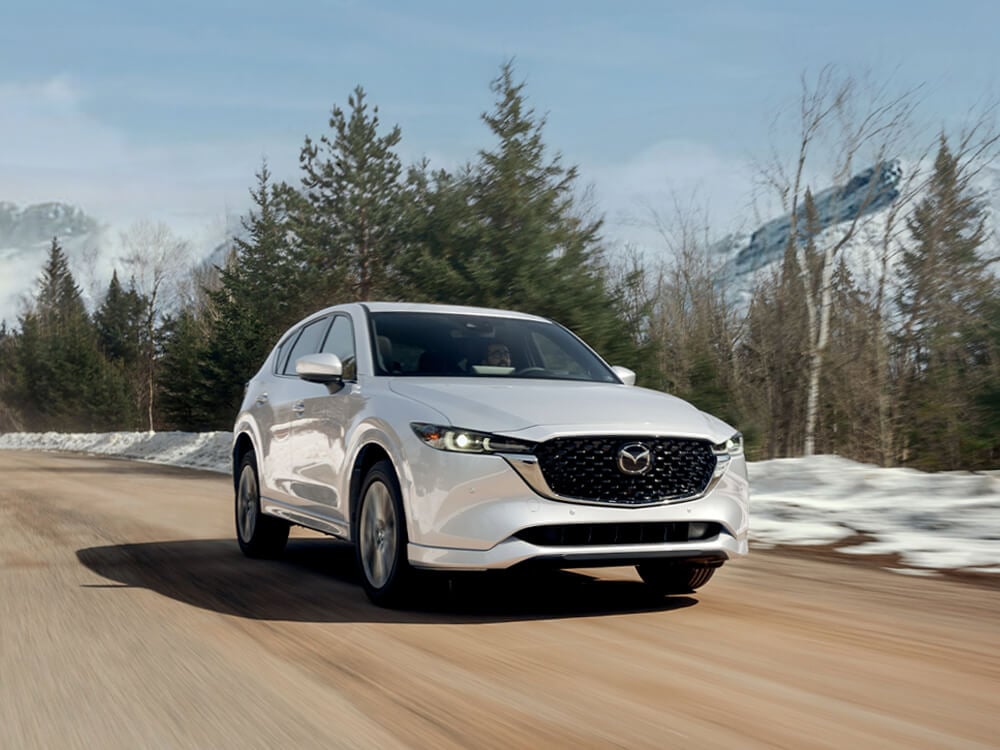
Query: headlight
(731,447)
(468,441)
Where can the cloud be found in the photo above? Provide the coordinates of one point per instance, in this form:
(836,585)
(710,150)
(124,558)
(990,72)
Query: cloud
(60,91)
(55,148)
(671,175)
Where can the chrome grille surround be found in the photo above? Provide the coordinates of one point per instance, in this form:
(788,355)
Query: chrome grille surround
(585,469)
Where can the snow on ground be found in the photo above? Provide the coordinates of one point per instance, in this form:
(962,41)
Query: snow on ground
(195,450)
(947,520)
(942,520)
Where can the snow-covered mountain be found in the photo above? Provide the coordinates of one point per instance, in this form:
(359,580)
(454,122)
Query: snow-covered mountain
(31,225)
(93,248)
(25,236)
(743,258)
(868,192)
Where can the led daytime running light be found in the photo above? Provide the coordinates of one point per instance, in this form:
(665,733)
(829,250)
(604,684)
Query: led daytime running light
(731,447)
(457,440)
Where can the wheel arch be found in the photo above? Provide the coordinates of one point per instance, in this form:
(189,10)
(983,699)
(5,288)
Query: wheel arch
(241,446)
(369,455)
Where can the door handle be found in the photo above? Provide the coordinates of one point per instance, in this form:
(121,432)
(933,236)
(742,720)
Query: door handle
(262,399)
(299,408)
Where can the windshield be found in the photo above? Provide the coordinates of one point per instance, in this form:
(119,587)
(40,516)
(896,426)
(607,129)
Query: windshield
(441,344)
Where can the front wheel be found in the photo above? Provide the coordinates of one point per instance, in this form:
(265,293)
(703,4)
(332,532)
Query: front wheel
(668,577)
(258,535)
(381,540)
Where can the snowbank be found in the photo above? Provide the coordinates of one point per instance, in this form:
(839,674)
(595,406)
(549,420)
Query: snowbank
(195,450)
(947,520)
(942,520)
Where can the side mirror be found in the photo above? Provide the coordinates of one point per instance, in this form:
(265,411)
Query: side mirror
(624,374)
(320,368)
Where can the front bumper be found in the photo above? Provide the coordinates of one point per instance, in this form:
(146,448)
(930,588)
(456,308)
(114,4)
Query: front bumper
(472,522)
(514,551)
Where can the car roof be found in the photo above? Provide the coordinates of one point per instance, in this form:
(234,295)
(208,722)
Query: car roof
(420,307)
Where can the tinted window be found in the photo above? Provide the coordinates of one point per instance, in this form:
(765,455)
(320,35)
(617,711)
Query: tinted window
(438,344)
(340,341)
(307,343)
(279,363)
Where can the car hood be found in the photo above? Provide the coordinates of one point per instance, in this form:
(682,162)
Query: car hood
(536,409)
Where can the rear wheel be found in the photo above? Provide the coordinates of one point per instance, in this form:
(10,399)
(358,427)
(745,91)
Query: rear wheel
(380,544)
(259,535)
(668,577)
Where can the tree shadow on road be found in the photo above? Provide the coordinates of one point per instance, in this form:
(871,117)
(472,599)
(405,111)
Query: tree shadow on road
(317,581)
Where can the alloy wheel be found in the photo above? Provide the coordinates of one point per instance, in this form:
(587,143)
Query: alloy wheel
(247,504)
(378,538)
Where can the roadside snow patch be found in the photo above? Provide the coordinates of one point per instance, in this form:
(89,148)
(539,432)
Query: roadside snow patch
(194,450)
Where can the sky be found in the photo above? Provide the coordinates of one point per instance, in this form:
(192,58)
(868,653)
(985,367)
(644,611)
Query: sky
(136,110)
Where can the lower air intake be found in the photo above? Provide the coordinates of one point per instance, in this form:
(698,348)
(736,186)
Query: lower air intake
(602,534)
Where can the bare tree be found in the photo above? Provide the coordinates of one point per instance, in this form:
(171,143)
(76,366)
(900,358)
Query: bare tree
(158,262)
(694,328)
(87,269)
(856,124)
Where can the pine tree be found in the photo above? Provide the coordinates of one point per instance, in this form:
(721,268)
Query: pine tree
(773,360)
(849,416)
(119,323)
(353,188)
(985,434)
(774,352)
(252,306)
(440,237)
(945,301)
(10,419)
(189,393)
(62,380)
(58,303)
(507,232)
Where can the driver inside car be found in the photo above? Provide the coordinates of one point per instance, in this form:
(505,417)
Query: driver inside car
(497,355)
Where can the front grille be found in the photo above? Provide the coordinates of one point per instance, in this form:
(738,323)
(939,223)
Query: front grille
(585,534)
(586,468)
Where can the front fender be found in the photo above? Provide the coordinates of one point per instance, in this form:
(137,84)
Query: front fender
(395,438)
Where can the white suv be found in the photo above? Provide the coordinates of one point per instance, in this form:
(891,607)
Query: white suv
(461,438)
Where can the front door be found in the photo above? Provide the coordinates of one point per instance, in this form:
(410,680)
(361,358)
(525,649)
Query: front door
(322,473)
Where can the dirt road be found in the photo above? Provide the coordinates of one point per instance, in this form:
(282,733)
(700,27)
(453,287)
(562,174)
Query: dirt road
(129,619)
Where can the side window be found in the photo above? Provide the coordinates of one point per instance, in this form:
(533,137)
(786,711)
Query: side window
(307,343)
(340,341)
(279,362)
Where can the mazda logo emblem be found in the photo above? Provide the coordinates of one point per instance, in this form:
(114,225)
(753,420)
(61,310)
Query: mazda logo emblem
(635,458)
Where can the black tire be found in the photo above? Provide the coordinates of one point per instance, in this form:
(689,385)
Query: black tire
(380,538)
(668,577)
(259,536)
